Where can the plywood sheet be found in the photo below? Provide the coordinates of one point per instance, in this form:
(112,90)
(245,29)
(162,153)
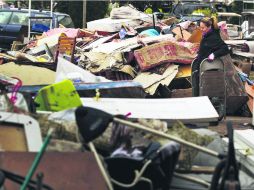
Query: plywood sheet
(62,171)
(185,109)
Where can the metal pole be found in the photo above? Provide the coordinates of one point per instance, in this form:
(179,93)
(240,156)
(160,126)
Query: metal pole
(170,137)
(84,13)
(29,20)
(192,179)
(37,160)
(51,13)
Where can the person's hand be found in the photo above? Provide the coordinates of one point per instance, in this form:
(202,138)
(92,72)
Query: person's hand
(211,57)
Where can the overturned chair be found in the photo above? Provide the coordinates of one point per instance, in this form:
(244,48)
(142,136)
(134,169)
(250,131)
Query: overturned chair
(212,84)
(154,170)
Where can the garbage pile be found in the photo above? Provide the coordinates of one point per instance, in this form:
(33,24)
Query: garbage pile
(118,48)
(99,87)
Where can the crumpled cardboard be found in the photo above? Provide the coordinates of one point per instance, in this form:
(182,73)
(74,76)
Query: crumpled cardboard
(150,81)
(29,75)
(67,70)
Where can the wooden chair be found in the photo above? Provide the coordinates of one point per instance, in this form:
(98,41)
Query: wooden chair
(66,47)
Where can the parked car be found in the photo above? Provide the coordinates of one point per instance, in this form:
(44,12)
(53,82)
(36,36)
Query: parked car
(14,23)
(183,9)
(248,25)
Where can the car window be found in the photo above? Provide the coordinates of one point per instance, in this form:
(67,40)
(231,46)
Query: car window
(4,17)
(45,22)
(65,21)
(189,9)
(19,18)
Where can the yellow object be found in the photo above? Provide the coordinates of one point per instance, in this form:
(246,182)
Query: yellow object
(97,95)
(247,152)
(184,71)
(58,96)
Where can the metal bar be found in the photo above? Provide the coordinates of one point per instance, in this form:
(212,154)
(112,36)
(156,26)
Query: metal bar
(37,160)
(51,13)
(192,179)
(29,21)
(40,17)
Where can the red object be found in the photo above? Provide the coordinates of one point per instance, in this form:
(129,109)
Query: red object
(165,52)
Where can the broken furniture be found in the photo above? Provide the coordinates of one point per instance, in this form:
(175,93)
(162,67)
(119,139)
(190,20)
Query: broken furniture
(157,165)
(212,84)
(65,47)
(19,132)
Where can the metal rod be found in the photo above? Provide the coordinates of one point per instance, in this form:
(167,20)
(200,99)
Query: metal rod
(101,167)
(51,13)
(29,20)
(192,179)
(37,160)
(153,21)
(167,136)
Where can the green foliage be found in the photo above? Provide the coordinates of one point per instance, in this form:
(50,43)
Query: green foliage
(95,10)
(206,12)
(237,7)
(110,7)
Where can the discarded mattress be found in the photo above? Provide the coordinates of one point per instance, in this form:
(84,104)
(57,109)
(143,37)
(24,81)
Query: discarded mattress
(165,52)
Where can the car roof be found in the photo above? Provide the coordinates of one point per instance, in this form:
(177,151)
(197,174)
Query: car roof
(225,14)
(196,3)
(32,10)
(248,13)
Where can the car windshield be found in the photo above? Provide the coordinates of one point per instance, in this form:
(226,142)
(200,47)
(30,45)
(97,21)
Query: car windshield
(190,8)
(4,17)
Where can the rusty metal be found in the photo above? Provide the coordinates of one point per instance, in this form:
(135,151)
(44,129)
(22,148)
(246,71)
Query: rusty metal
(62,171)
(236,94)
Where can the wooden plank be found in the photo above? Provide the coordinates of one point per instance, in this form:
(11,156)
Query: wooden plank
(191,109)
(65,171)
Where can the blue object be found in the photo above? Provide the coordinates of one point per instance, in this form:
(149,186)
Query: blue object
(244,78)
(150,32)
(122,33)
(40,28)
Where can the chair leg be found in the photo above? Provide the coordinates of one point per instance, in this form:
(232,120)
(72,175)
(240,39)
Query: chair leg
(101,167)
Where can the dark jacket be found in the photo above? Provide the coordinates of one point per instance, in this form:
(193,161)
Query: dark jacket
(212,43)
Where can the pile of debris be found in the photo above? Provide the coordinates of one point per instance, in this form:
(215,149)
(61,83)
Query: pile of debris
(107,78)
